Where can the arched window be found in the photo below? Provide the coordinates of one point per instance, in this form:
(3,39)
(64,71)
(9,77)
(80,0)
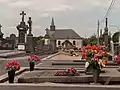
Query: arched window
(74,43)
(59,42)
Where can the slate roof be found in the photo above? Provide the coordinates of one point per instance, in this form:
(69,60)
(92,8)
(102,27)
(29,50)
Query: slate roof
(65,34)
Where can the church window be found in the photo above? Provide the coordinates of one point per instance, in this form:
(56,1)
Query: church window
(59,42)
(74,43)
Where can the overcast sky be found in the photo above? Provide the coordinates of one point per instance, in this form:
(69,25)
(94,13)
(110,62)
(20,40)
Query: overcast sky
(80,15)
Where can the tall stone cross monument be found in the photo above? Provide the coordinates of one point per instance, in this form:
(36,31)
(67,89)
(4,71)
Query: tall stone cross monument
(106,37)
(22,29)
(30,37)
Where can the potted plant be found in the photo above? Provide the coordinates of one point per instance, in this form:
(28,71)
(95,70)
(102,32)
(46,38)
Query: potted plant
(12,67)
(96,58)
(32,59)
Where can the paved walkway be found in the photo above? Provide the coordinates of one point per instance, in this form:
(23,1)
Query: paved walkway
(65,57)
(22,60)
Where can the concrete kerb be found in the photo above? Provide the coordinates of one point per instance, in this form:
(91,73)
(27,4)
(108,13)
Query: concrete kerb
(53,86)
(48,57)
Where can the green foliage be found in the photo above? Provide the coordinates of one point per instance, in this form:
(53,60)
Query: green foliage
(38,40)
(85,42)
(91,40)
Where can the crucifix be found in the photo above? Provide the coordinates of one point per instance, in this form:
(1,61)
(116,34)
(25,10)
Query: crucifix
(22,14)
(30,25)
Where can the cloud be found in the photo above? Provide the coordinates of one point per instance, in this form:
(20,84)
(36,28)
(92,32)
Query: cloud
(20,4)
(60,8)
(44,15)
(78,14)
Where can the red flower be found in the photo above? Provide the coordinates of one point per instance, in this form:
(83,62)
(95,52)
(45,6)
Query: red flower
(83,55)
(88,47)
(28,58)
(12,65)
(118,59)
(105,62)
(33,58)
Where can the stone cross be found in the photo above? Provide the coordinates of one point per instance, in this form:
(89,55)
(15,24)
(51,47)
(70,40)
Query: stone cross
(22,14)
(30,25)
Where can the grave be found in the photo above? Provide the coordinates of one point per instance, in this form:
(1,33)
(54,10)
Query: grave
(7,43)
(45,73)
(41,76)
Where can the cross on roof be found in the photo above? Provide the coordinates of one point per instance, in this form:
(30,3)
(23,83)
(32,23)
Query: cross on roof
(22,14)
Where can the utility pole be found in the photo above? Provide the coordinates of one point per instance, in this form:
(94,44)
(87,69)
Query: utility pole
(98,33)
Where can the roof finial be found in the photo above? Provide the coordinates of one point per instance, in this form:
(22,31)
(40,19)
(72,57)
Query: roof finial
(52,23)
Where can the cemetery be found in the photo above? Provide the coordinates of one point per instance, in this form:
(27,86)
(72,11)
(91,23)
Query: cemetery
(55,63)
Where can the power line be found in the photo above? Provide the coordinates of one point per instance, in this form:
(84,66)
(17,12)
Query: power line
(109,10)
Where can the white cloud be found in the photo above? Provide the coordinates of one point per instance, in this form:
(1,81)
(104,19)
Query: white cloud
(78,14)
(44,15)
(20,4)
(60,8)
(3,1)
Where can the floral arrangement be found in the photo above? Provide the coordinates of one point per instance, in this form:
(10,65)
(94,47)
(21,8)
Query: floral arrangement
(97,56)
(117,59)
(12,66)
(68,72)
(33,58)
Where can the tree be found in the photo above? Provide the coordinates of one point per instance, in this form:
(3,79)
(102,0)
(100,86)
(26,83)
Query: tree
(85,41)
(93,40)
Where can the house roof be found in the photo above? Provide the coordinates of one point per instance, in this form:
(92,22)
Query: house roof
(65,34)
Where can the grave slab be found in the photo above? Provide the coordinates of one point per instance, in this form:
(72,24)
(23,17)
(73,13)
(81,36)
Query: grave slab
(41,76)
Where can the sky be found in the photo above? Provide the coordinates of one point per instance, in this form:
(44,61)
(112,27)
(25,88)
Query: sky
(80,15)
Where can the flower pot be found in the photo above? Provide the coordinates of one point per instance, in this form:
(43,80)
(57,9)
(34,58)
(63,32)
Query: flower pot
(11,75)
(96,73)
(32,65)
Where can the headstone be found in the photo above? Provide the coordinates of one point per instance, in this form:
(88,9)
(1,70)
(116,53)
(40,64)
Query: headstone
(14,39)
(22,28)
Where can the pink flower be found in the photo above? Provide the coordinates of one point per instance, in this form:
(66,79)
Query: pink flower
(28,58)
(12,65)
(33,58)
(118,59)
